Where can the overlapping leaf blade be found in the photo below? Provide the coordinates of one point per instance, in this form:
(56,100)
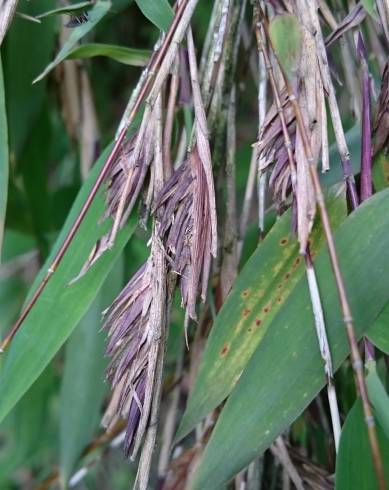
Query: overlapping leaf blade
(286,371)
(159,12)
(354,465)
(122,54)
(263,286)
(61,306)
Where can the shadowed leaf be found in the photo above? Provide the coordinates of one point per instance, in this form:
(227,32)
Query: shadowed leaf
(158,12)
(285,35)
(354,466)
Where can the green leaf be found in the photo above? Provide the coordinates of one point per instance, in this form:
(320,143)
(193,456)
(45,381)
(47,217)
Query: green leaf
(83,386)
(159,12)
(285,35)
(378,396)
(286,371)
(371,9)
(32,45)
(26,433)
(263,286)
(354,465)
(95,15)
(379,333)
(381,171)
(68,9)
(122,54)
(3,157)
(60,306)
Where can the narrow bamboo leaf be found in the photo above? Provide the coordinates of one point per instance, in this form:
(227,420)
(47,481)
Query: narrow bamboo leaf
(3,157)
(122,54)
(68,9)
(285,35)
(354,465)
(32,45)
(26,433)
(260,291)
(159,12)
(381,171)
(286,371)
(94,16)
(378,396)
(379,333)
(61,306)
(83,386)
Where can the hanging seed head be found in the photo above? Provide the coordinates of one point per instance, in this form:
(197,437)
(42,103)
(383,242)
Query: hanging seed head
(185,229)
(127,322)
(272,152)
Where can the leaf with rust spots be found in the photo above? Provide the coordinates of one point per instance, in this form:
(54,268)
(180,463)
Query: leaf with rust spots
(286,371)
(262,276)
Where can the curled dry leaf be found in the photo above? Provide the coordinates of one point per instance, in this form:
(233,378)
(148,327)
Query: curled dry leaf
(310,101)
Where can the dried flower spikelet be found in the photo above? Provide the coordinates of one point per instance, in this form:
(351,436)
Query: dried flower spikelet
(130,346)
(123,168)
(126,321)
(185,229)
(272,151)
(381,123)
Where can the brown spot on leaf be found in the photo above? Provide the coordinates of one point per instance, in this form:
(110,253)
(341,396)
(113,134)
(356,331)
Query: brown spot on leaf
(287,276)
(297,262)
(246,293)
(258,321)
(225,349)
(279,286)
(246,312)
(279,300)
(267,308)
(283,241)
